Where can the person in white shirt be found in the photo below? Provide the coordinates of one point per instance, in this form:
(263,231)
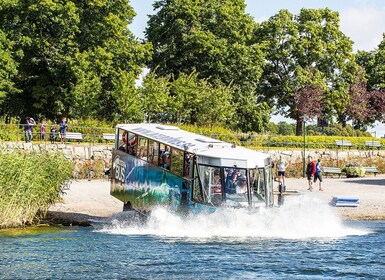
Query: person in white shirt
(282,164)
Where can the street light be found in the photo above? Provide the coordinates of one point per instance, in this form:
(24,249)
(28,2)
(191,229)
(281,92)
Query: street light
(375,136)
(304,145)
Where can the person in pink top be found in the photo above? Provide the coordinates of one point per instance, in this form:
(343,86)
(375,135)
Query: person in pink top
(310,170)
(43,130)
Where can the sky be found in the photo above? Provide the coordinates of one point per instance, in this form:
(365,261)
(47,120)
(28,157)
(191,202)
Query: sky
(361,20)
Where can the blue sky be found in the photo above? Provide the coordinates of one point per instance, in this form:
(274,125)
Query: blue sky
(362,20)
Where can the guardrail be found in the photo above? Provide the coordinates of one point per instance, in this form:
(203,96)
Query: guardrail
(15,133)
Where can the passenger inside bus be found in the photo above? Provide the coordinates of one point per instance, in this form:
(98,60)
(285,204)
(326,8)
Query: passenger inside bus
(241,184)
(165,158)
(216,188)
(231,176)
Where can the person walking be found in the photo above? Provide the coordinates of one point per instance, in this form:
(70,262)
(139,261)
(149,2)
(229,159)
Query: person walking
(282,164)
(310,170)
(318,174)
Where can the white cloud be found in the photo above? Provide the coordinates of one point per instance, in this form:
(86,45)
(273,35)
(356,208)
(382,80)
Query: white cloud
(364,25)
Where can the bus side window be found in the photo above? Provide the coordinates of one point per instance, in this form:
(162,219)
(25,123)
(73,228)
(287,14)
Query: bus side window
(165,156)
(153,150)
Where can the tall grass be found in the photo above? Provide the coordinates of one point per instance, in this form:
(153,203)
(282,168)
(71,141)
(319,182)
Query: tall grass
(29,184)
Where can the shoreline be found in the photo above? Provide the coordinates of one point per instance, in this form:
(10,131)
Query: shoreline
(91,200)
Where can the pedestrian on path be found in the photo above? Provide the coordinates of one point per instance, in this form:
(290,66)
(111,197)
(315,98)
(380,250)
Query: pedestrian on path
(30,122)
(310,171)
(282,164)
(318,174)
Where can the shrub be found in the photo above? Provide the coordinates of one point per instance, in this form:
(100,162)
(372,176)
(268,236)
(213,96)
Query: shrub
(29,184)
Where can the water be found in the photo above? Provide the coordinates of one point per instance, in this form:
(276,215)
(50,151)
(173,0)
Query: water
(304,239)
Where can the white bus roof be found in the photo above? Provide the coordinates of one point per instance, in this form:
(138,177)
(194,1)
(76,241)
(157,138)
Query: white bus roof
(203,146)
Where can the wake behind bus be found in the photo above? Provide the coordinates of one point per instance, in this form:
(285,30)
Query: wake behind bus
(162,165)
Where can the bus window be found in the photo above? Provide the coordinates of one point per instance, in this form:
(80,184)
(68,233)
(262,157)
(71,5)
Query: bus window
(165,156)
(142,148)
(131,140)
(236,187)
(187,165)
(257,184)
(177,162)
(121,144)
(211,181)
(153,152)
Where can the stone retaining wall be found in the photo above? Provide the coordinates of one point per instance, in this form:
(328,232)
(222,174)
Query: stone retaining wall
(81,154)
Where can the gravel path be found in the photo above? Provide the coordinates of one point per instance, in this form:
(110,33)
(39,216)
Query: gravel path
(91,199)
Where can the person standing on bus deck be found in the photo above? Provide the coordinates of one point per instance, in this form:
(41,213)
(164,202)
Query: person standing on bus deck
(318,174)
(62,130)
(310,171)
(282,164)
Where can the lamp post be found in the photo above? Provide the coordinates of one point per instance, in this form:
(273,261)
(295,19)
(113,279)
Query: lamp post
(375,136)
(304,145)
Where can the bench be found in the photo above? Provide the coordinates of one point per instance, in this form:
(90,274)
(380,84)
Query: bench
(108,137)
(371,169)
(74,136)
(332,170)
(373,144)
(343,143)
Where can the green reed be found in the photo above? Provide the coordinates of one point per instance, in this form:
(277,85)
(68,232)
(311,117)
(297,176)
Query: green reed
(29,184)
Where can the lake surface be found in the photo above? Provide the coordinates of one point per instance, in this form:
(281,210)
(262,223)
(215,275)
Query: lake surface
(301,240)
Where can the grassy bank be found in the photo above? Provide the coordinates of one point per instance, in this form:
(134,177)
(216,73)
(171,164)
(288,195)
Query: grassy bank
(29,184)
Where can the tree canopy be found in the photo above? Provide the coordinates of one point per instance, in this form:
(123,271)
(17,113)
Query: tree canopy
(210,63)
(68,55)
(213,39)
(305,51)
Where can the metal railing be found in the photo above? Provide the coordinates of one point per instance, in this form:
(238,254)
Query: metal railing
(16,133)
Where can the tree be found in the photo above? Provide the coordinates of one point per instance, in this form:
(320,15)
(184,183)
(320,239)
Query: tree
(214,39)
(298,46)
(196,101)
(8,68)
(128,98)
(154,96)
(357,109)
(379,66)
(70,53)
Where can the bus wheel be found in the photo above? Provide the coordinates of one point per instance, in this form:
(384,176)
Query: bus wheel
(127,206)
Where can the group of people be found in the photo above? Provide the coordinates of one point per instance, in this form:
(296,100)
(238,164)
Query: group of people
(30,123)
(313,172)
(235,182)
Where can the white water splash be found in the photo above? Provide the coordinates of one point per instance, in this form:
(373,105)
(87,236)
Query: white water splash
(299,218)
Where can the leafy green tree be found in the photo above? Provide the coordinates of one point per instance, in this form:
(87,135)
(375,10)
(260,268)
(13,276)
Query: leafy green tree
(285,128)
(70,54)
(43,33)
(212,38)
(154,96)
(196,101)
(127,97)
(8,67)
(296,46)
(366,60)
(379,67)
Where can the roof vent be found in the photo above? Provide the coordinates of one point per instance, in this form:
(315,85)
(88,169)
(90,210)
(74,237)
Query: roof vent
(208,140)
(167,127)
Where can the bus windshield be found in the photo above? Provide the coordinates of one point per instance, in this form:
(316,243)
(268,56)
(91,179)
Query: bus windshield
(234,187)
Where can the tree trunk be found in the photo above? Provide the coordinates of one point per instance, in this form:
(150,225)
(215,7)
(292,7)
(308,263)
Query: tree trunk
(299,127)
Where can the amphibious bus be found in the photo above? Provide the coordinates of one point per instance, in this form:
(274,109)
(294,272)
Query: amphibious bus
(162,165)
